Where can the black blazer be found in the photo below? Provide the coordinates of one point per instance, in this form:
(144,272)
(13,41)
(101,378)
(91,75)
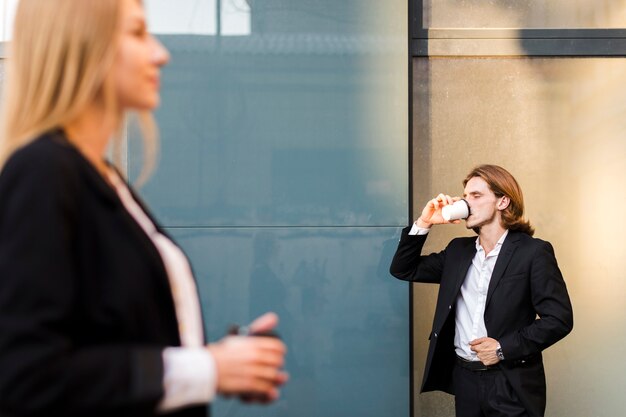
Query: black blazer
(85,302)
(527,307)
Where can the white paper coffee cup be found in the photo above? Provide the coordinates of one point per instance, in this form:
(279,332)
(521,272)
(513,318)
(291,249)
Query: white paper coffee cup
(458,210)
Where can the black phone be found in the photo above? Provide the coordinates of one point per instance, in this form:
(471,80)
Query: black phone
(236,330)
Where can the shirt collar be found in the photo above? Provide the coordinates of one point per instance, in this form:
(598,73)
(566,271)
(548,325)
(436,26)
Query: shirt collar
(499,243)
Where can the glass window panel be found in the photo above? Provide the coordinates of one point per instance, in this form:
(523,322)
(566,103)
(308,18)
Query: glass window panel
(7,14)
(182,16)
(341,314)
(523,13)
(235,18)
(302,121)
(294,114)
(558,125)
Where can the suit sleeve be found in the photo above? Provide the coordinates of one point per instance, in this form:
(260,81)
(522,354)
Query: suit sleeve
(409,265)
(552,304)
(44,370)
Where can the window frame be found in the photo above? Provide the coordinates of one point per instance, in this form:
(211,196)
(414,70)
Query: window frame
(583,42)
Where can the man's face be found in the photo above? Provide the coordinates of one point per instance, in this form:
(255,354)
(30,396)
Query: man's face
(483,204)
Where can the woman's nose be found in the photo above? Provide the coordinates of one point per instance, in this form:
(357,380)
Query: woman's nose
(160,54)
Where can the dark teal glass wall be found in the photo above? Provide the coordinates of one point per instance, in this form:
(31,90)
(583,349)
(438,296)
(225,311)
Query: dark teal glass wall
(283,174)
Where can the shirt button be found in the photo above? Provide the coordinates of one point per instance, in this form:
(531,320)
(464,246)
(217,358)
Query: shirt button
(436,335)
(449,307)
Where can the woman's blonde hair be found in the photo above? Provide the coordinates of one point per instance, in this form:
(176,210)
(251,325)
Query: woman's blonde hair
(60,61)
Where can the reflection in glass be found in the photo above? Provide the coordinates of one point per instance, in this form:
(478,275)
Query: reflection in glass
(182,16)
(524,14)
(7,13)
(283,173)
(300,122)
(558,125)
(235,15)
(343,317)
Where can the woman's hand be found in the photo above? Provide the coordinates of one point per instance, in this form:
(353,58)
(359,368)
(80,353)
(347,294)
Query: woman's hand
(251,366)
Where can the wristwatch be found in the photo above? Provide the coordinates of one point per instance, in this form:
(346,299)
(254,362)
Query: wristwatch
(499,353)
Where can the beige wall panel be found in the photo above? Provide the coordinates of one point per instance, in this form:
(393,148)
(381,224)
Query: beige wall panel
(524,14)
(559,126)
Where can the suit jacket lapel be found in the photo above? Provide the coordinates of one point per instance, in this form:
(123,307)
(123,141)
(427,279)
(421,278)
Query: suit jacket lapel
(465,261)
(506,253)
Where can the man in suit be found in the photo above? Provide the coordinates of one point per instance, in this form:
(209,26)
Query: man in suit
(502,300)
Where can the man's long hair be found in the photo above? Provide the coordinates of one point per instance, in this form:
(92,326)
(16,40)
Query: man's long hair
(502,183)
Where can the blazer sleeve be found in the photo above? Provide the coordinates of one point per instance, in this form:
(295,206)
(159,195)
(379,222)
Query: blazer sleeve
(44,370)
(409,265)
(551,303)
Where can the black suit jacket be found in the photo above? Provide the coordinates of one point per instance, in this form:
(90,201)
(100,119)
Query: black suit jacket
(527,307)
(85,303)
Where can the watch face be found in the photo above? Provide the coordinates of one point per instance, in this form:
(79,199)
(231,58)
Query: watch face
(500,354)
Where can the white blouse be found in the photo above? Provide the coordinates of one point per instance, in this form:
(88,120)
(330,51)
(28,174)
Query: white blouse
(189,371)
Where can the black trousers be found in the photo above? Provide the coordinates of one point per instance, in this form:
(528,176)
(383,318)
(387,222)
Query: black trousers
(485,394)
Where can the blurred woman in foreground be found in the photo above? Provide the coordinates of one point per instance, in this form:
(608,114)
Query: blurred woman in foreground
(99,314)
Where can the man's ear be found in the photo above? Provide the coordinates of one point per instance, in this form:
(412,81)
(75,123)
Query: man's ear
(504,203)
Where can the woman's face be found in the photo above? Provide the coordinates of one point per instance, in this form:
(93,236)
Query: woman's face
(139,59)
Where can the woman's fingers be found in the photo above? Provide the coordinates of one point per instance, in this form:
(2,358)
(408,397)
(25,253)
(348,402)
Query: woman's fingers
(249,365)
(265,323)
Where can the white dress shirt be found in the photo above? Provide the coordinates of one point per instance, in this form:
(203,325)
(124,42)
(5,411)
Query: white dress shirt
(470,304)
(189,371)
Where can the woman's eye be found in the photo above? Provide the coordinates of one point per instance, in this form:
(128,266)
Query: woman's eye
(138,31)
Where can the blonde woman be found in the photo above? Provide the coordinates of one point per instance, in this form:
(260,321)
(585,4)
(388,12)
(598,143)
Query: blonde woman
(99,314)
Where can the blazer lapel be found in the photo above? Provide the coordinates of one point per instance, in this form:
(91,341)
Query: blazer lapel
(465,261)
(506,253)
